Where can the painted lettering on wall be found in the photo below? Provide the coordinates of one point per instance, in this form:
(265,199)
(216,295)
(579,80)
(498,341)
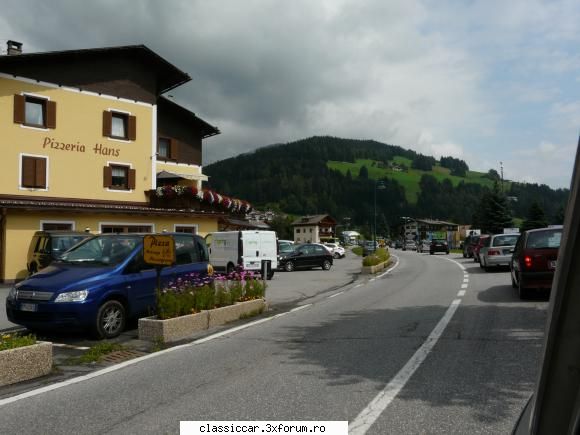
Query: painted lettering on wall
(50,142)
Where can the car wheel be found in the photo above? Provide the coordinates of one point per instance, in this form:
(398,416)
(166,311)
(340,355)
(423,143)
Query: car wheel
(514,285)
(271,274)
(481,263)
(326,265)
(230,268)
(110,321)
(289,267)
(431,252)
(337,255)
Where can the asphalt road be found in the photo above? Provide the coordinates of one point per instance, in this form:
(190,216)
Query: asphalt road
(330,361)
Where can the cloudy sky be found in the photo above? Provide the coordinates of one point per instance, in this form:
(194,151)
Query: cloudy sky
(486,81)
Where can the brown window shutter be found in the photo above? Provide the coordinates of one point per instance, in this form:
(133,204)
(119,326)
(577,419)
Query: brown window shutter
(131,179)
(107,123)
(28,171)
(173,149)
(50,114)
(107,176)
(132,128)
(40,170)
(19,102)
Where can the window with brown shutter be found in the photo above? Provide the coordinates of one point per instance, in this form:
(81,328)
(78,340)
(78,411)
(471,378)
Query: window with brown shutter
(33,172)
(119,177)
(117,125)
(34,111)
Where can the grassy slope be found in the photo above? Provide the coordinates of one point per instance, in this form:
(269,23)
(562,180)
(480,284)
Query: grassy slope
(409,180)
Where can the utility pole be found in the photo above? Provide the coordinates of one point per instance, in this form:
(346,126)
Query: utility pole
(501,172)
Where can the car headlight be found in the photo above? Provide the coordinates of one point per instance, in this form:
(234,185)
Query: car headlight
(13,293)
(77,296)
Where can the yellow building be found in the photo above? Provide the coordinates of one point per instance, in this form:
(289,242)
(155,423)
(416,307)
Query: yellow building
(89,142)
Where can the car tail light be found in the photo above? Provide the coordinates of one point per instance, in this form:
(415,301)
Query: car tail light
(528,261)
(493,252)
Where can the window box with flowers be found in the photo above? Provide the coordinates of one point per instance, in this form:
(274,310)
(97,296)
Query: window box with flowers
(195,303)
(23,358)
(189,197)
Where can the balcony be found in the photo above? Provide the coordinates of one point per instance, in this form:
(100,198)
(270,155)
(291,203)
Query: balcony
(191,198)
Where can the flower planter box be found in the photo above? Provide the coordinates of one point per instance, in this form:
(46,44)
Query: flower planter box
(169,330)
(179,328)
(377,268)
(24,363)
(223,315)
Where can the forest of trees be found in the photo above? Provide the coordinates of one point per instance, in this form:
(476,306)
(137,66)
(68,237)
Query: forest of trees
(294,178)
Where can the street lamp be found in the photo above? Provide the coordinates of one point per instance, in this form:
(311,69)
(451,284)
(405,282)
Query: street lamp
(379,185)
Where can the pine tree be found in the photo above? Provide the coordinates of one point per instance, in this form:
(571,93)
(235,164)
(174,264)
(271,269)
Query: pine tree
(536,218)
(559,216)
(494,211)
(363,173)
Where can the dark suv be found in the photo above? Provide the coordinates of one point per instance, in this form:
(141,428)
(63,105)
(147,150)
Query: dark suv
(47,246)
(438,245)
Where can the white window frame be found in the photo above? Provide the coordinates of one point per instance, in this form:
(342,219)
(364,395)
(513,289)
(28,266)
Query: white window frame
(33,189)
(127,224)
(72,223)
(196,226)
(128,165)
(123,112)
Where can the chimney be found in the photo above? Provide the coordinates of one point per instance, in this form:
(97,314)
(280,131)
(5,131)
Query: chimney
(13,48)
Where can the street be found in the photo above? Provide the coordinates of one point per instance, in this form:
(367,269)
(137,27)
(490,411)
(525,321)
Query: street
(462,348)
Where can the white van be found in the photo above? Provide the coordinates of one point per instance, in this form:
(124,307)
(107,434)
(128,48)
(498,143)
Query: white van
(248,249)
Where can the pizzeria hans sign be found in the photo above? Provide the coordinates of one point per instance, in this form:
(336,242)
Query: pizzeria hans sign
(100,149)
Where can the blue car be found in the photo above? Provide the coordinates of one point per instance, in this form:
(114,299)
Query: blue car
(99,284)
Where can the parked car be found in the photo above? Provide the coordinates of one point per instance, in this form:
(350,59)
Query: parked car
(438,245)
(99,284)
(423,246)
(468,246)
(534,259)
(245,249)
(482,241)
(497,250)
(398,244)
(410,245)
(47,246)
(306,256)
(336,250)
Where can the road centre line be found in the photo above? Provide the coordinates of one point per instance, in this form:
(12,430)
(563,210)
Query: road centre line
(461,293)
(465,280)
(362,423)
(464,285)
(367,417)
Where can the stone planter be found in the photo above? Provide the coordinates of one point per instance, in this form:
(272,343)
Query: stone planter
(24,363)
(179,328)
(377,268)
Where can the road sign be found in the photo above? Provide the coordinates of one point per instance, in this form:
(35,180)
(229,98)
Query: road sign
(159,250)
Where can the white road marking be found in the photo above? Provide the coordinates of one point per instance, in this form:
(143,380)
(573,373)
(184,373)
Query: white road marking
(465,280)
(70,346)
(391,269)
(464,285)
(358,285)
(371,413)
(461,293)
(371,280)
(335,295)
(133,361)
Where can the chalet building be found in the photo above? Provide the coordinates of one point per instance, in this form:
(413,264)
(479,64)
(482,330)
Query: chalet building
(89,142)
(427,229)
(314,229)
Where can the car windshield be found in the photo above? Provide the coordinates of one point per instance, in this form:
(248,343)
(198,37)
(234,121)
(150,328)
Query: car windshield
(103,250)
(544,239)
(507,240)
(60,244)
(286,248)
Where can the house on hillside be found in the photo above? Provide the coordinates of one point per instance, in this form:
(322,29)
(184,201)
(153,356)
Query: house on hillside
(89,142)
(314,229)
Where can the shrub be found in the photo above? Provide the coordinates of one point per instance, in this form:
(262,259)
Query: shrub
(12,341)
(381,255)
(196,292)
(358,250)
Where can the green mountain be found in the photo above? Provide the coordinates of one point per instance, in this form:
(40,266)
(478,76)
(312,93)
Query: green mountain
(339,176)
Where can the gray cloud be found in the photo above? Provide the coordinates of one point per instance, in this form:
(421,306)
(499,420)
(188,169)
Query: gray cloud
(408,73)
